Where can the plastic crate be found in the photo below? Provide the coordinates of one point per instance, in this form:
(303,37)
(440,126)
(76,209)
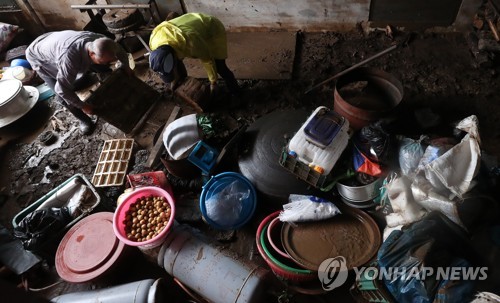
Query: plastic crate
(369,289)
(112,166)
(302,171)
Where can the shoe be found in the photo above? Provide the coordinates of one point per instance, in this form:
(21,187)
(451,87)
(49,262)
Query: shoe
(87,128)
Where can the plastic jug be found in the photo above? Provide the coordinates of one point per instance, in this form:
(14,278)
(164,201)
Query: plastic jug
(193,260)
(308,148)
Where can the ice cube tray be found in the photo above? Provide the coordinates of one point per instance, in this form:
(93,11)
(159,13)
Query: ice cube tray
(112,166)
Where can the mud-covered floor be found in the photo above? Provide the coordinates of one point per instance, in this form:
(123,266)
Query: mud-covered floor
(438,72)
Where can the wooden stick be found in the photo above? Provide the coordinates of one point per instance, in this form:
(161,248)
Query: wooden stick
(353,67)
(155,154)
(493,29)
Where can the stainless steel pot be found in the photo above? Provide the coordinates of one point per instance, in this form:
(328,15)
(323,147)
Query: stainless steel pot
(361,193)
(15,100)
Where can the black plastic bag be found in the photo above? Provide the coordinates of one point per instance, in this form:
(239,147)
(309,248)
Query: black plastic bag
(39,226)
(376,143)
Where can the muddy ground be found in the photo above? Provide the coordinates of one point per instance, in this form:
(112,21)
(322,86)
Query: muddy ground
(438,71)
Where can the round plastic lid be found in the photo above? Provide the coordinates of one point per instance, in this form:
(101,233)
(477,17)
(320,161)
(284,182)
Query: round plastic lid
(88,249)
(9,89)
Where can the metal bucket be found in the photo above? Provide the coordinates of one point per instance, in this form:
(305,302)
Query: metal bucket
(377,99)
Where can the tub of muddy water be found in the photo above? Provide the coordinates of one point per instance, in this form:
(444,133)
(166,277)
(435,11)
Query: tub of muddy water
(353,234)
(366,95)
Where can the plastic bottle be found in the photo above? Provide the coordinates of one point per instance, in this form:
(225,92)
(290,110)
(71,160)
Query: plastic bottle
(145,291)
(193,260)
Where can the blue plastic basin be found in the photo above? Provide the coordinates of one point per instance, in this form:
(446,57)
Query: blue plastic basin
(215,185)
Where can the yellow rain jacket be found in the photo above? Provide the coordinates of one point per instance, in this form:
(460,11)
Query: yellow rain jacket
(193,35)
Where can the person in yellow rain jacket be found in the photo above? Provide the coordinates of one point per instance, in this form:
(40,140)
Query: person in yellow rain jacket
(192,35)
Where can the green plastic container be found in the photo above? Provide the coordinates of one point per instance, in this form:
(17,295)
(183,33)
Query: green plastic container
(49,248)
(21,215)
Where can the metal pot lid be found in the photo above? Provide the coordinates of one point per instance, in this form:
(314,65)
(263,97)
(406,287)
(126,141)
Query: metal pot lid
(352,234)
(88,249)
(33,95)
(263,143)
(9,89)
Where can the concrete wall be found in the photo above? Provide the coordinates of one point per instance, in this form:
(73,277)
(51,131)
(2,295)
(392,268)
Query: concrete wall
(58,15)
(255,15)
(311,15)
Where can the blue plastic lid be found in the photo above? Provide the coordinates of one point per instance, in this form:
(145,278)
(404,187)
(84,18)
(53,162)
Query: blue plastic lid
(323,127)
(20,62)
(215,186)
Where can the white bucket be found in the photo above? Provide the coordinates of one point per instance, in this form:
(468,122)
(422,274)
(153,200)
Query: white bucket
(145,291)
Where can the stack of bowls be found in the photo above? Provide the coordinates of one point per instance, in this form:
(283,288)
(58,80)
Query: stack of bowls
(281,265)
(16,100)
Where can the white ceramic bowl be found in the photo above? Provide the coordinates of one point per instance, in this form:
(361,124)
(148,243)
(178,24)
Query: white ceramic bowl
(15,100)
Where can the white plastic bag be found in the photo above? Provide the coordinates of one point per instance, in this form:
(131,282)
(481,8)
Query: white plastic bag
(432,152)
(224,208)
(457,168)
(405,209)
(79,203)
(302,208)
(432,199)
